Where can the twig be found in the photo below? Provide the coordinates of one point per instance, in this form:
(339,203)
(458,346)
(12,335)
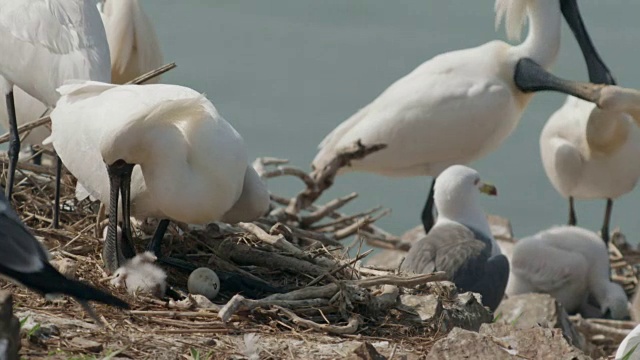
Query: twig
(350,328)
(240,303)
(359,257)
(326,209)
(324,177)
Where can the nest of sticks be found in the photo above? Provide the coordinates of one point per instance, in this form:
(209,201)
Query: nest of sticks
(288,271)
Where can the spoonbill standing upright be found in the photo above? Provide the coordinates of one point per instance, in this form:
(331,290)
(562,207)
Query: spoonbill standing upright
(134,49)
(193,165)
(461,105)
(587,153)
(44,43)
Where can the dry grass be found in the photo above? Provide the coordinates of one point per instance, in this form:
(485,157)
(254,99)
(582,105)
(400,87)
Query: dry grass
(170,329)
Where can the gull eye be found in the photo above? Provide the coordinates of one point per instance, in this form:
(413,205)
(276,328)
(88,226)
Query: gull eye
(476,181)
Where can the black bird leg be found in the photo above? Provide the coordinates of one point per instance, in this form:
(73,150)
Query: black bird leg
(114,249)
(604,232)
(428,218)
(572,213)
(156,242)
(14,144)
(56,200)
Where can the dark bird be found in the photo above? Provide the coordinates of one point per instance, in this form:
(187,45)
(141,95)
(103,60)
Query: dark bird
(460,243)
(25,261)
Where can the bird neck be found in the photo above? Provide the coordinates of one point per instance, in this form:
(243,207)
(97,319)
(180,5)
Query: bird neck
(470,215)
(607,131)
(543,40)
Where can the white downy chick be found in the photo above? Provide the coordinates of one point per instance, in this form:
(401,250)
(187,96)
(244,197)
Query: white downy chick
(141,275)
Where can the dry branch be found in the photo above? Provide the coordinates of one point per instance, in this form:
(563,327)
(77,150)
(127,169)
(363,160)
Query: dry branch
(350,328)
(324,177)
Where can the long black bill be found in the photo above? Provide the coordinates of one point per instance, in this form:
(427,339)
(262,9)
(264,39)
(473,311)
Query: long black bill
(598,71)
(117,250)
(531,77)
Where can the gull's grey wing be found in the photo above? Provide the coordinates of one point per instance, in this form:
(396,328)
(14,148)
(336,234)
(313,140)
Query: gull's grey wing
(452,248)
(493,282)
(19,250)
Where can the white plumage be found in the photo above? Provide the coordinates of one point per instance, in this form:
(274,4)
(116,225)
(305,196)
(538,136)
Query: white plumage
(141,275)
(630,343)
(193,164)
(588,153)
(454,108)
(569,263)
(134,50)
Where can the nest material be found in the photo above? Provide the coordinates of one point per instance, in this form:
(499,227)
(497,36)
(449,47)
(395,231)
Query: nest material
(297,274)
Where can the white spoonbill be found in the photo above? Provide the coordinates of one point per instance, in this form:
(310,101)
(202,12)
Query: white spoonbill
(460,243)
(568,263)
(461,105)
(193,165)
(630,346)
(134,49)
(133,42)
(44,43)
(588,153)
(24,260)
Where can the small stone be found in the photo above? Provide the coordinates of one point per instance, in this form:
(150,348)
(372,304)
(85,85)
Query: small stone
(87,345)
(533,310)
(66,267)
(365,351)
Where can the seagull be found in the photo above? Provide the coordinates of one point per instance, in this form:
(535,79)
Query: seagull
(44,43)
(587,152)
(568,263)
(460,243)
(164,148)
(25,261)
(461,105)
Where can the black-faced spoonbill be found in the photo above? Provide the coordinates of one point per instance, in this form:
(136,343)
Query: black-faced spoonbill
(24,260)
(460,243)
(193,165)
(588,153)
(568,263)
(44,43)
(461,105)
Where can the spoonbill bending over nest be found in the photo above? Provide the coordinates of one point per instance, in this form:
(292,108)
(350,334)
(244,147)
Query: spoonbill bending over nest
(44,43)
(461,105)
(568,263)
(460,243)
(193,165)
(24,260)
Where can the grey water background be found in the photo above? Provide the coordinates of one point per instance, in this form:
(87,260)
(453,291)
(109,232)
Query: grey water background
(284,73)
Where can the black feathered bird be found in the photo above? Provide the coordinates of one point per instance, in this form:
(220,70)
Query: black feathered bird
(25,261)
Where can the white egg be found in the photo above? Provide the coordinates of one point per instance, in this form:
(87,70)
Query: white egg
(204,281)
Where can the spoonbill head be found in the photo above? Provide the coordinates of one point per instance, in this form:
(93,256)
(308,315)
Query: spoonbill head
(461,105)
(45,43)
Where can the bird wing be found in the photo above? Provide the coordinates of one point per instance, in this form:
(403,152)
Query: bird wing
(442,111)
(19,250)
(546,267)
(53,24)
(452,248)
